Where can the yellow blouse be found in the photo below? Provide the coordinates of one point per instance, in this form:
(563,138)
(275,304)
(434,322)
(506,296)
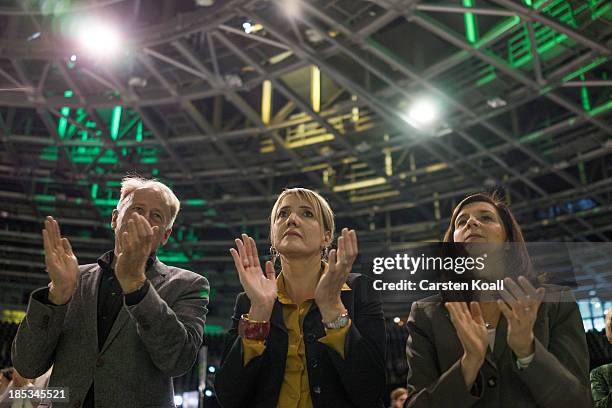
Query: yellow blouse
(295,390)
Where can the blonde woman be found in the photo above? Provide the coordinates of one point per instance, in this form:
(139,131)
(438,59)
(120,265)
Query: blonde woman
(312,337)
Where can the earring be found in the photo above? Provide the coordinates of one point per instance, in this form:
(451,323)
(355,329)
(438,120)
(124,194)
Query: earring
(324,253)
(273,254)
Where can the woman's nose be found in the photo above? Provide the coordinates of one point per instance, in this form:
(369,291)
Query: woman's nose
(473,222)
(292,219)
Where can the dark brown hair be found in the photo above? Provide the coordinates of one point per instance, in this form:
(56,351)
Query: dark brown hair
(520,264)
(7,373)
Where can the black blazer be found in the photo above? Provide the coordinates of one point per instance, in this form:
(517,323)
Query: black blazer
(358,380)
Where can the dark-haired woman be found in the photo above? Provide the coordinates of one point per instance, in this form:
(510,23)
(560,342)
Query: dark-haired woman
(517,351)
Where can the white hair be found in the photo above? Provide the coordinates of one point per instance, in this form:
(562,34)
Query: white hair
(129,184)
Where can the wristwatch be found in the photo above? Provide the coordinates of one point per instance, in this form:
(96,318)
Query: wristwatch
(339,322)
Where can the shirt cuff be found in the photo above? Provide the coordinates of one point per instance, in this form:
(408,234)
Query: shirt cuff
(42,296)
(334,338)
(251,349)
(523,363)
(135,297)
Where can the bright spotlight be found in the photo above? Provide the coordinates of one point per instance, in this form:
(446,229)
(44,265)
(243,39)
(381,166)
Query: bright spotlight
(73,58)
(178,400)
(211,369)
(291,7)
(208,393)
(423,112)
(396,320)
(247,27)
(100,39)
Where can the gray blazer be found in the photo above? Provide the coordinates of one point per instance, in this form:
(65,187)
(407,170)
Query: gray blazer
(149,343)
(557,377)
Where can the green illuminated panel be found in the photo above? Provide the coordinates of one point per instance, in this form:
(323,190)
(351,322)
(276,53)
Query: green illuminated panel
(584,96)
(106,202)
(49,153)
(498,30)
(211,212)
(139,131)
(582,70)
(487,75)
(45,209)
(115,121)
(519,46)
(599,8)
(195,201)
(601,109)
(63,122)
(44,198)
(471,29)
(172,257)
(211,329)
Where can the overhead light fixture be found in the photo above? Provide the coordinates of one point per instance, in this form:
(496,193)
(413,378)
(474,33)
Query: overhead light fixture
(291,8)
(444,130)
(137,82)
(99,39)
(496,102)
(422,113)
(313,36)
(34,36)
(233,81)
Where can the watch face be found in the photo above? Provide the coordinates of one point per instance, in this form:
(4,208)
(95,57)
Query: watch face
(339,323)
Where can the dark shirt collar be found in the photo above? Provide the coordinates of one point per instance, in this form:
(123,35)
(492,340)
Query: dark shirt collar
(106,260)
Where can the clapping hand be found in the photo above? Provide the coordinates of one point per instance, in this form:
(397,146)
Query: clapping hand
(520,307)
(136,241)
(260,288)
(472,333)
(327,292)
(62,265)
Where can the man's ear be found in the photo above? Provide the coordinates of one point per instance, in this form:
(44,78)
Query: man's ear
(114,219)
(166,236)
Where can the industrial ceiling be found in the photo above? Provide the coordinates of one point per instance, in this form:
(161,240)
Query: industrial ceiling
(229,102)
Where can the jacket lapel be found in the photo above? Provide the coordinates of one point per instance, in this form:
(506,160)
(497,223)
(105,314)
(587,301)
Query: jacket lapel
(156,276)
(277,316)
(90,282)
(500,344)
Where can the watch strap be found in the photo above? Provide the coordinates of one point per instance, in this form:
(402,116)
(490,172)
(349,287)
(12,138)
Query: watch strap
(339,322)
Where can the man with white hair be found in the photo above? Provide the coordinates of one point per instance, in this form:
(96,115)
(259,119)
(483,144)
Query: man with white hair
(118,330)
(601,377)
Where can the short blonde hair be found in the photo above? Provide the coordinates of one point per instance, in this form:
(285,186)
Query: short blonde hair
(323,211)
(129,184)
